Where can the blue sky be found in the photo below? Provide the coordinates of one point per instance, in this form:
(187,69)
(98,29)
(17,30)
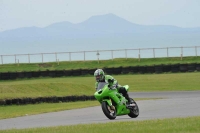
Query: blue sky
(40,13)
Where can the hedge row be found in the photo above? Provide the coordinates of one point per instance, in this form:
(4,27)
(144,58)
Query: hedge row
(24,101)
(115,70)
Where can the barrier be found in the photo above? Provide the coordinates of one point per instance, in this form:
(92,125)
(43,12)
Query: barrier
(52,73)
(142,69)
(13,75)
(117,70)
(183,67)
(167,68)
(35,74)
(5,76)
(44,73)
(67,72)
(175,68)
(91,71)
(76,72)
(28,74)
(135,69)
(158,68)
(20,75)
(198,66)
(59,73)
(84,72)
(108,71)
(150,69)
(191,67)
(126,70)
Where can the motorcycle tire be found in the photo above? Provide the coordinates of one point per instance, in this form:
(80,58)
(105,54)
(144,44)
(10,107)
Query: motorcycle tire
(110,114)
(135,111)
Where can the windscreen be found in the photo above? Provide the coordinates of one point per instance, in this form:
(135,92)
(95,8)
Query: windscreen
(101,85)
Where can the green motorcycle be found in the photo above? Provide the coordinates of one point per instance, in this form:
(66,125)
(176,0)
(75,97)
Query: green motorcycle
(113,103)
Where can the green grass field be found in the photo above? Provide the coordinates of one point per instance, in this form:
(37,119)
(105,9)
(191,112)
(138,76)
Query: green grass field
(175,125)
(68,65)
(84,85)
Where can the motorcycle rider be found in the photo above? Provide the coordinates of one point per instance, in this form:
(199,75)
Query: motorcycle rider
(101,77)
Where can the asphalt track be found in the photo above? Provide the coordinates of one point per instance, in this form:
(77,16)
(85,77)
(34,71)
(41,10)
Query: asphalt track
(170,105)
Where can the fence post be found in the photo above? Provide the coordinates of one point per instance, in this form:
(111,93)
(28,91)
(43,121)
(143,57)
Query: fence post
(2,59)
(56,56)
(84,55)
(181,56)
(112,54)
(167,52)
(139,56)
(29,58)
(58,61)
(181,53)
(154,52)
(126,53)
(182,50)
(196,50)
(42,57)
(69,56)
(98,56)
(15,58)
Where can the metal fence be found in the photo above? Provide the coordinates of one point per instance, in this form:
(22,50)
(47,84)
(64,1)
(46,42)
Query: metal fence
(101,55)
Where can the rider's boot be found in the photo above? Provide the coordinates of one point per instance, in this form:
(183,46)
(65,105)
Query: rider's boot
(129,103)
(127,97)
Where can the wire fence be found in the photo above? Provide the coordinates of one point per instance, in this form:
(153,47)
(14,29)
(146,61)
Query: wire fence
(101,55)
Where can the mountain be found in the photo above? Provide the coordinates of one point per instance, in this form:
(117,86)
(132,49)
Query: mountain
(98,32)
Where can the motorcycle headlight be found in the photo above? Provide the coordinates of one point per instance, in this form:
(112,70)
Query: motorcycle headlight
(100,91)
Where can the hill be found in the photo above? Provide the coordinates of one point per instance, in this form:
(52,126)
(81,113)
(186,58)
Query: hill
(98,32)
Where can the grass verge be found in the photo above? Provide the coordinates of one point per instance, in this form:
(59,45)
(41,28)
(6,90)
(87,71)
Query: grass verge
(23,110)
(174,125)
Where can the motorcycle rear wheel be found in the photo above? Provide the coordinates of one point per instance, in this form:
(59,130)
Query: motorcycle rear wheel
(109,113)
(135,111)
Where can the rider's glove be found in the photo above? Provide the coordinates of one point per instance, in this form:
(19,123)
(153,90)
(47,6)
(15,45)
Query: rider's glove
(110,81)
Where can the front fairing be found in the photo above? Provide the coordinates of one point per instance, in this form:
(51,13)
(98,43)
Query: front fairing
(104,92)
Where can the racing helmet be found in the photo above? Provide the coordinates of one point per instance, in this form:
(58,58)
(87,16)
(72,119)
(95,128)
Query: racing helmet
(99,75)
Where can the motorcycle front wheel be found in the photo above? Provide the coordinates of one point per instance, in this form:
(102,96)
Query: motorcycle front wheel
(108,111)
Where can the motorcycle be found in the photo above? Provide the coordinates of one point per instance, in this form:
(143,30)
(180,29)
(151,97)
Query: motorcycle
(113,103)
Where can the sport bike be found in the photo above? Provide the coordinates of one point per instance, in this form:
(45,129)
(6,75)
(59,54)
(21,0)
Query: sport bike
(114,103)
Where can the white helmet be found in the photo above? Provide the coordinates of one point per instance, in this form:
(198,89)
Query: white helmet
(99,75)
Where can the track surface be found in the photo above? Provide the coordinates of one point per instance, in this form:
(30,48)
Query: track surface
(173,104)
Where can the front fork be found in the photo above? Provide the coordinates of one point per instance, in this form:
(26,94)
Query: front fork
(109,102)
